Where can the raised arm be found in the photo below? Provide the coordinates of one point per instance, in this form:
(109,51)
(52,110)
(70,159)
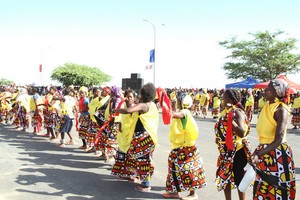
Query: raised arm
(140,107)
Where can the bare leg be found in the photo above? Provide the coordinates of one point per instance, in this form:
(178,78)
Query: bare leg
(242,195)
(227,192)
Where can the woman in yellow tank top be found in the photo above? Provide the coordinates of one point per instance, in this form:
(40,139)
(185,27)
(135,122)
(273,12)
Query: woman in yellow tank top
(143,134)
(274,155)
(231,131)
(185,165)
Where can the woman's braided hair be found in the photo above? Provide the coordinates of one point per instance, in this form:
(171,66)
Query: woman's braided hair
(236,97)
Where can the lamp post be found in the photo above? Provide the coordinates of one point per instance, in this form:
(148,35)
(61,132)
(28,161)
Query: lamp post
(154,44)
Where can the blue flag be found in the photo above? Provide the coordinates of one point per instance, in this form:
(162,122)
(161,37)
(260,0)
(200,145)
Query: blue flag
(152,56)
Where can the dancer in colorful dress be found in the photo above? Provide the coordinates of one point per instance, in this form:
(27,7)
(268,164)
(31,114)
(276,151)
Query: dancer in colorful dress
(122,164)
(231,131)
(197,103)
(52,112)
(173,99)
(5,105)
(99,116)
(93,126)
(143,134)
(23,113)
(216,105)
(274,155)
(36,111)
(296,111)
(261,103)
(109,136)
(84,119)
(67,106)
(249,105)
(185,170)
(204,101)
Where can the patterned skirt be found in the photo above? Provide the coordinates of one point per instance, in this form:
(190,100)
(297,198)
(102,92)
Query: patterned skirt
(185,170)
(22,118)
(36,120)
(138,159)
(296,117)
(12,115)
(197,105)
(4,113)
(204,109)
(84,123)
(215,111)
(91,133)
(51,119)
(108,140)
(279,162)
(231,165)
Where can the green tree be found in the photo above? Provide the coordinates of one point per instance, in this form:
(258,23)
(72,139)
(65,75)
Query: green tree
(4,81)
(75,74)
(264,57)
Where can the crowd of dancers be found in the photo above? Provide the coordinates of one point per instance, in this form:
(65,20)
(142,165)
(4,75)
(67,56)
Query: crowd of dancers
(121,127)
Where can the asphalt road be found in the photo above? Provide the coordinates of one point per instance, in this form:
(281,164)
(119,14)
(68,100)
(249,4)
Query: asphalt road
(31,167)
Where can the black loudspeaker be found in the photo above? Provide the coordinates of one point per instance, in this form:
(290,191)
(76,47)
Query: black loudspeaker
(135,82)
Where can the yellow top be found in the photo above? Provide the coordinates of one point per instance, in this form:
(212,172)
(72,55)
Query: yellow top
(32,102)
(183,132)
(296,103)
(217,102)
(56,104)
(95,104)
(266,125)
(14,96)
(250,101)
(124,137)
(261,103)
(173,96)
(197,97)
(203,99)
(149,120)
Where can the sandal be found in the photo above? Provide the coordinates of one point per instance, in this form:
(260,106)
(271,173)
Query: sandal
(194,197)
(142,189)
(130,179)
(62,145)
(170,195)
(102,157)
(70,143)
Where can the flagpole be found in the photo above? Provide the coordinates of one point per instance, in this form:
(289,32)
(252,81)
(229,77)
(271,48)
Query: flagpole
(154,45)
(41,62)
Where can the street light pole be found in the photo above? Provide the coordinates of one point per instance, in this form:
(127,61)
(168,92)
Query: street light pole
(154,45)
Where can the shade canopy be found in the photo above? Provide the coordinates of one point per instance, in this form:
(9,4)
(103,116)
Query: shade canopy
(290,83)
(248,83)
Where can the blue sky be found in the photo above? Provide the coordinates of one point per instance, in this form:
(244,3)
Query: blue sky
(111,35)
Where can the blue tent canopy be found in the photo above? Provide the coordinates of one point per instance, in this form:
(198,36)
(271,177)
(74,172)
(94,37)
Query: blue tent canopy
(248,83)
